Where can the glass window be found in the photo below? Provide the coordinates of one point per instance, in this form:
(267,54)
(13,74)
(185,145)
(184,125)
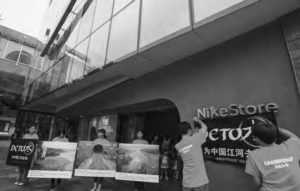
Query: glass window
(162,18)
(66,61)
(70,56)
(79,58)
(121,4)
(77,69)
(43,85)
(206,8)
(53,15)
(55,75)
(102,13)
(45,63)
(86,23)
(49,76)
(78,5)
(71,42)
(13,51)
(30,93)
(66,25)
(123,36)
(26,56)
(3,43)
(97,48)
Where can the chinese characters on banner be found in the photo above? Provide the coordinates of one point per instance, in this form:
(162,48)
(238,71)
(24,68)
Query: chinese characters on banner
(21,152)
(230,139)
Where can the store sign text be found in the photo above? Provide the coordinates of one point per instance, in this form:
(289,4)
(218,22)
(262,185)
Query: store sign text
(235,110)
(233,134)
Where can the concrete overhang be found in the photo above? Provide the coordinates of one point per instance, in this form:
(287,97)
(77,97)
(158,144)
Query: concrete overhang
(164,52)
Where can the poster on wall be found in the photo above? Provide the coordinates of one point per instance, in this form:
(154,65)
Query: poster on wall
(138,162)
(230,139)
(21,152)
(54,160)
(96,160)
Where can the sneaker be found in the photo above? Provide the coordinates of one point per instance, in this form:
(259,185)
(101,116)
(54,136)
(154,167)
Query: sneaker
(20,184)
(16,183)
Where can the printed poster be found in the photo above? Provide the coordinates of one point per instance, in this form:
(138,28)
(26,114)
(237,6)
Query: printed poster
(54,160)
(21,152)
(230,139)
(96,160)
(137,162)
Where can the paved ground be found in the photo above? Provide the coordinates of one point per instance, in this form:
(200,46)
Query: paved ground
(8,177)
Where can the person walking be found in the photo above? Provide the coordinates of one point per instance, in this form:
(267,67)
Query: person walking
(189,148)
(274,166)
(61,137)
(23,171)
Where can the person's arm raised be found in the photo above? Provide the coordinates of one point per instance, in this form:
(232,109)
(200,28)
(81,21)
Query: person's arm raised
(286,134)
(202,124)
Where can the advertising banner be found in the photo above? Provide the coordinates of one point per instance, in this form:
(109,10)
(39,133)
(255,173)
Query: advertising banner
(138,162)
(230,139)
(54,160)
(96,160)
(21,152)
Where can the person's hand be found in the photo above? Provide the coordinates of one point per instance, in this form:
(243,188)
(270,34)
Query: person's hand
(196,119)
(203,125)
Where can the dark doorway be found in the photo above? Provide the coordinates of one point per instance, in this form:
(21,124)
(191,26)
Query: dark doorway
(161,123)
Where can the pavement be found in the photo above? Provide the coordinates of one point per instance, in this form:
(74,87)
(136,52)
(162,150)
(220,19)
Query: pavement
(8,176)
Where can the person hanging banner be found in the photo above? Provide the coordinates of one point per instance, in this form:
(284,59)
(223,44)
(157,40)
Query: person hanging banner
(54,160)
(21,152)
(137,162)
(230,139)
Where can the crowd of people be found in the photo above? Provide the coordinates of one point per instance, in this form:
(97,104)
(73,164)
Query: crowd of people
(274,166)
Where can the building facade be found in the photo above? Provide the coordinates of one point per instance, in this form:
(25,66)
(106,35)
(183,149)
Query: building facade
(17,59)
(146,65)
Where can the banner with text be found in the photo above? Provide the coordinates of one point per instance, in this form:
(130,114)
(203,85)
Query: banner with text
(137,162)
(21,152)
(230,139)
(54,160)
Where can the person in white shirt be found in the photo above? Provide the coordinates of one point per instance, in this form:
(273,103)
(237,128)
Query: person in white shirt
(99,143)
(139,186)
(140,139)
(61,137)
